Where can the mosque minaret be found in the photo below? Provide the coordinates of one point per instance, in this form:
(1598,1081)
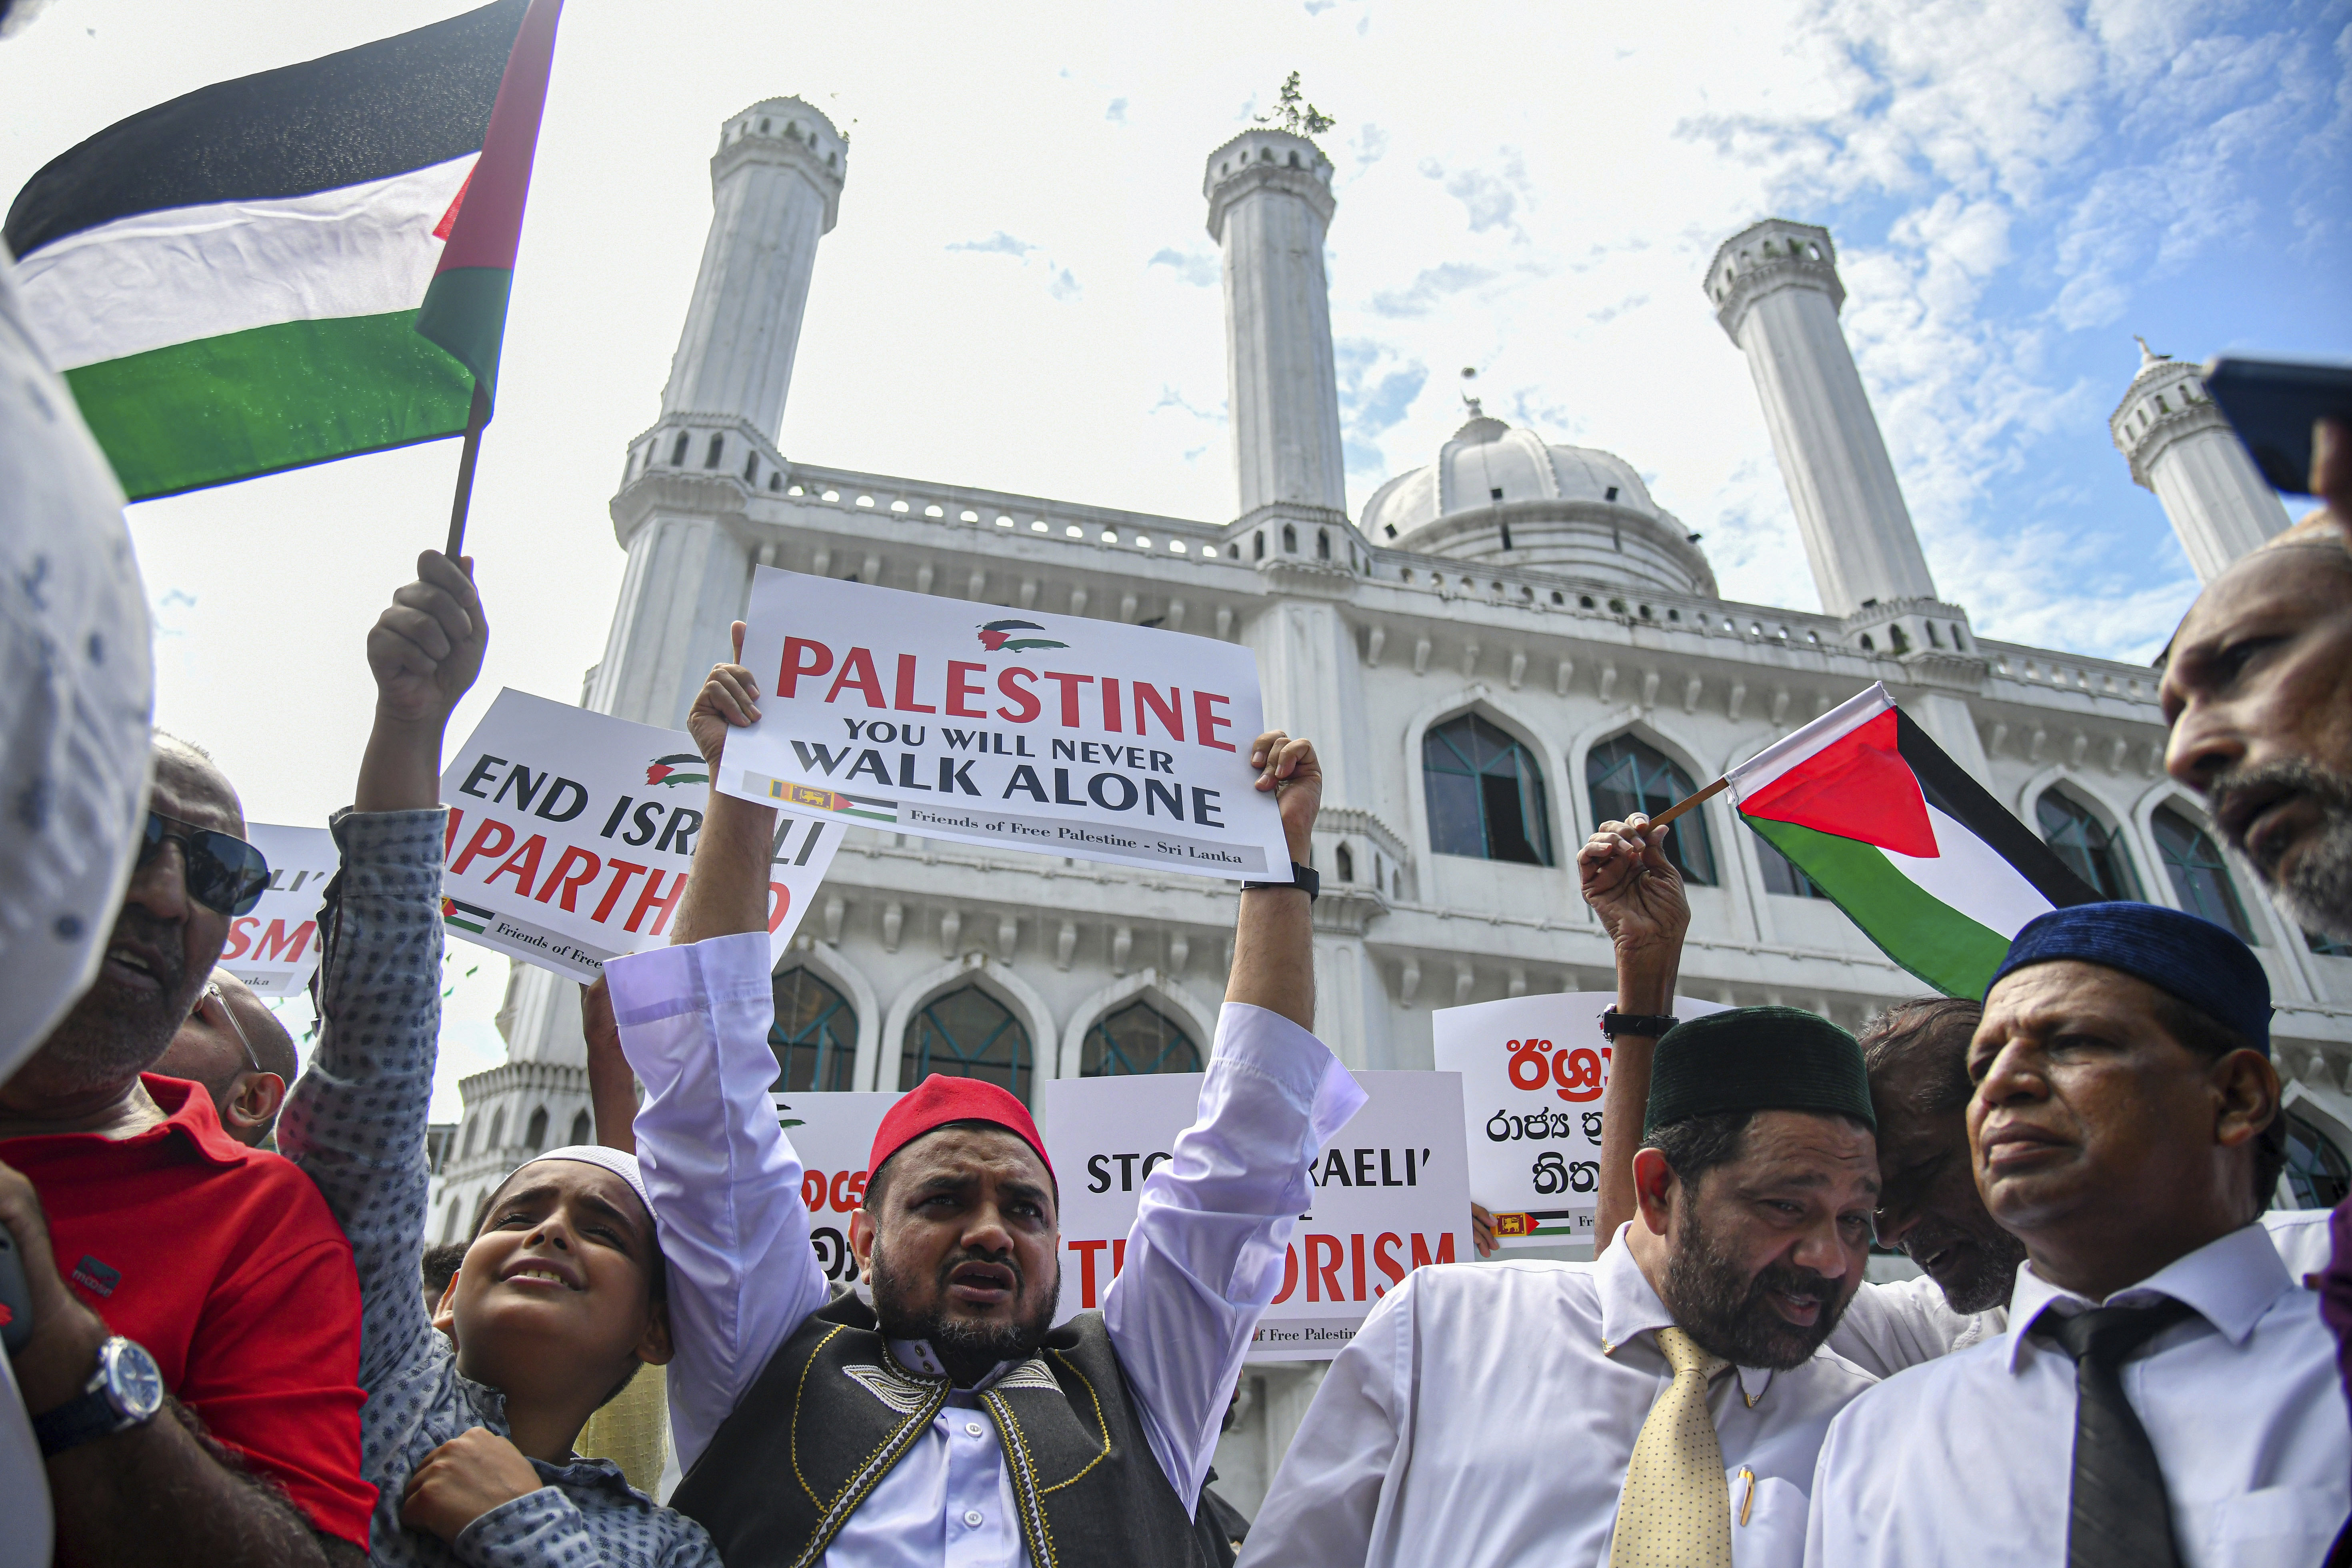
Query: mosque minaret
(2179,446)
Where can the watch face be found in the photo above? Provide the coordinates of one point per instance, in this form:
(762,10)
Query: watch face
(133,1379)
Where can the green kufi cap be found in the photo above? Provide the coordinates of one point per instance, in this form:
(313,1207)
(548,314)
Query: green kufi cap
(1756,1059)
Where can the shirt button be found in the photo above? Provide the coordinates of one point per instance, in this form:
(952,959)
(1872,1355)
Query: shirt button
(972,1517)
(972,1428)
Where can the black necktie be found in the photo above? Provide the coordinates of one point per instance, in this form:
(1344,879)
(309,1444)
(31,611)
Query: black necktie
(2119,1517)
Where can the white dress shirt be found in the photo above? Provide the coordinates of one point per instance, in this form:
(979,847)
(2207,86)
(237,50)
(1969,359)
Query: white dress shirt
(1970,1458)
(1890,1327)
(1485,1413)
(1205,1257)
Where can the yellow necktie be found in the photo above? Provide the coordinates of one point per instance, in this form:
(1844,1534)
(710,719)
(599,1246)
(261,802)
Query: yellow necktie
(1676,1510)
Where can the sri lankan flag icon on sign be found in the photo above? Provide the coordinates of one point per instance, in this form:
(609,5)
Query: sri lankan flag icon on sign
(810,797)
(464,917)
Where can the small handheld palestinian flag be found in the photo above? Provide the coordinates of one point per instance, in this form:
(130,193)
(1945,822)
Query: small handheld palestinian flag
(294,266)
(1900,838)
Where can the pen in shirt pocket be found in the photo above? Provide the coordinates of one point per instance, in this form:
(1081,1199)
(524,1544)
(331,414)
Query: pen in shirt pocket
(1748,1498)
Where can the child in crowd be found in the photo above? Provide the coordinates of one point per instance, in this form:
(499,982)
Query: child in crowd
(472,1410)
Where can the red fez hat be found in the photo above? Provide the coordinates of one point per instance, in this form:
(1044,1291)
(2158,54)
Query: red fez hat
(939,1100)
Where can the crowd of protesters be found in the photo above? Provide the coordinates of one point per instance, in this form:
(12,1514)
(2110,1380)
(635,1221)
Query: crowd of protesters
(232,1346)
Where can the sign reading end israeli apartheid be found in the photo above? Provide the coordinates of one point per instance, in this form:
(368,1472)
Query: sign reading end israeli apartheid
(275,946)
(1390,1194)
(1533,1070)
(570,833)
(1025,731)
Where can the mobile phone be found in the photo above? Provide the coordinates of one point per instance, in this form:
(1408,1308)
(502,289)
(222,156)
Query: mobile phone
(15,1296)
(2273,405)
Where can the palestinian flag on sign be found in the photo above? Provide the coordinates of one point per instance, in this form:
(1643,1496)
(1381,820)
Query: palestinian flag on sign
(294,266)
(1900,838)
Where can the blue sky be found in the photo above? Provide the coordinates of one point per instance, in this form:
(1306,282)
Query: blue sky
(1020,293)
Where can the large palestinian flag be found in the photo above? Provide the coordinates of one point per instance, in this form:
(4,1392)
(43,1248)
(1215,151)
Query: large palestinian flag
(294,266)
(1900,838)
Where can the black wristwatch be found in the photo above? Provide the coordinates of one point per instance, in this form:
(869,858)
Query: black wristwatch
(1642,1025)
(125,1391)
(1303,878)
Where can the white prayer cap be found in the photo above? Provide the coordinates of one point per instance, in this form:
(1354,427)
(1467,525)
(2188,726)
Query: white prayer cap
(77,694)
(623,1165)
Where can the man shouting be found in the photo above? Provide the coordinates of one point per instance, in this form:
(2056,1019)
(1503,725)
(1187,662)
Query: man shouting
(934,1414)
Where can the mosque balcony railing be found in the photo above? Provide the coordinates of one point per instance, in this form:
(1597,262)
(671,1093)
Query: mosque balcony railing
(2042,670)
(1003,514)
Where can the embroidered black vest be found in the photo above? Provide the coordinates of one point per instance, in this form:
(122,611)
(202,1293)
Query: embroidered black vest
(833,1411)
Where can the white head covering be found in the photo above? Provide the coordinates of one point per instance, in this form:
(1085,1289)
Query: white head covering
(77,692)
(622,1165)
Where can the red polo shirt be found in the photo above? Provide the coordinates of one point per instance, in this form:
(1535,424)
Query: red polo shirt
(225,1263)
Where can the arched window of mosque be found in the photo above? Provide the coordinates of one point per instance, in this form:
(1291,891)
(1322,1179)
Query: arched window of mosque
(582,1127)
(534,1138)
(1486,794)
(814,1036)
(1322,544)
(465,1147)
(1289,539)
(718,449)
(1900,643)
(499,1128)
(2199,878)
(1344,862)
(966,1033)
(751,467)
(2316,1172)
(1258,549)
(1781,873)
(2083,842)
(1138,1039)
(1626,776)
(1868,645)
(678,453)
(449,1223)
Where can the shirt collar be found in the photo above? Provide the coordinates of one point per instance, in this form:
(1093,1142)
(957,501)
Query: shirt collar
(2230,1283)
(1630,1307)
(188,1113)
(916,1355)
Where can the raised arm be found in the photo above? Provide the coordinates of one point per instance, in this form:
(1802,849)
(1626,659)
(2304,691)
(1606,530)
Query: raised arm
(1205,1254)
(694,1020)
(1624,874)
(355,1121)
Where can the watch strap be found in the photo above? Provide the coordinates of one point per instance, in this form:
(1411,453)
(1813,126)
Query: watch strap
(91,1413)
(1642,1025)
(1304,878)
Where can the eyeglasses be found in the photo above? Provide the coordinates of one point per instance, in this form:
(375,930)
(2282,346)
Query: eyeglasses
(212,993)
(225,873)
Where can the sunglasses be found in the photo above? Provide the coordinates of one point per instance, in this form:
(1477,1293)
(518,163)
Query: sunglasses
(224,873)
(214,995)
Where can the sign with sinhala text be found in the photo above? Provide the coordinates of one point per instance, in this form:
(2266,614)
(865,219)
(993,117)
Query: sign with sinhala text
(1390,1194)
(275,948)
(833,1133)
(1021,731)
(1533,1070)
(570,833)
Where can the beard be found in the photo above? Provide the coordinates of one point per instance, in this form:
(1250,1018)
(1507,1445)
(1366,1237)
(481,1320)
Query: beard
(1726,1311)
(969,1348)
(2318,891)
(115,1032)
(1991,1275)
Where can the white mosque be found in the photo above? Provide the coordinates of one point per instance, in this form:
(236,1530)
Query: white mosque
(1508,646)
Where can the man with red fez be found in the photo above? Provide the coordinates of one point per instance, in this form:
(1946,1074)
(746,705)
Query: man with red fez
(933,1412)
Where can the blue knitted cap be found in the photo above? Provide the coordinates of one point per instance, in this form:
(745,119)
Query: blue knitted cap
(2192,960)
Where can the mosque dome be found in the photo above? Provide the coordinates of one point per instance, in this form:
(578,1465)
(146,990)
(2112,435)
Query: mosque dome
(1503,495)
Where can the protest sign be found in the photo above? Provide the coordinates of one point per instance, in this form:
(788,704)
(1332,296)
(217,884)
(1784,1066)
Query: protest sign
(968,723)
(1533,1071)
(1392,1193)
(556,813)
(833,1133)
(274,948)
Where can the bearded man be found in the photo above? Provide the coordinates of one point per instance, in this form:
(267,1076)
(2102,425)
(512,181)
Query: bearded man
(1658,1406)
(935,1414)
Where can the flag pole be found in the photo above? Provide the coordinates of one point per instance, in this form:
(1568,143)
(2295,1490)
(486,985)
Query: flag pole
(1709,792)
(476,417)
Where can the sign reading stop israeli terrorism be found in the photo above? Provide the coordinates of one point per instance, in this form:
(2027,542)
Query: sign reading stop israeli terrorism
(275,946)
(570,833)
(1533,1071)
(1027,730)
(1390,1194)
